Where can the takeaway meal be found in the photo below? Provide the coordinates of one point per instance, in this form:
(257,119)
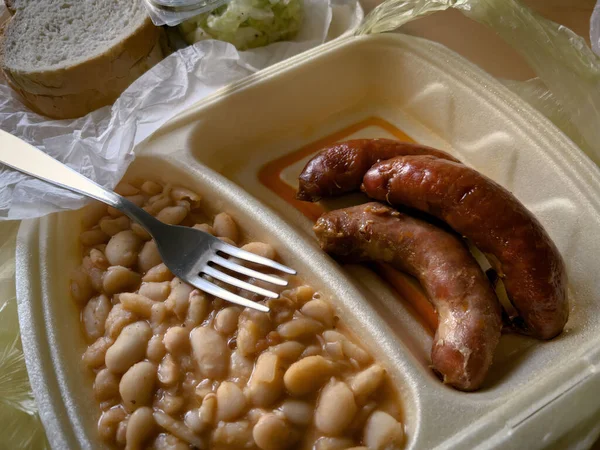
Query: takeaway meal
(413,178)
(175,368)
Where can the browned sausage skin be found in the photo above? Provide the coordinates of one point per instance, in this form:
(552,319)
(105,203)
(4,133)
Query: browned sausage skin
(339,168)
(469,312)
(523,254)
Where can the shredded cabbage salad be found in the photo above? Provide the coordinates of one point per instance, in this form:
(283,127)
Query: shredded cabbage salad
(247,23)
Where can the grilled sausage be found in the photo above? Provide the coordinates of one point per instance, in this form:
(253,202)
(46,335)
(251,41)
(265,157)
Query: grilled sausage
(522,253)
(469,312)
(339,168)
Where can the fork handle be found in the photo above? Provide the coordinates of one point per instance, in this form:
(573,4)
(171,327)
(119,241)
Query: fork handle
(25,158)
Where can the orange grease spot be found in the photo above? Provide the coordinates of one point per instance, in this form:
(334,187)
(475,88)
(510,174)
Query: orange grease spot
(270,176)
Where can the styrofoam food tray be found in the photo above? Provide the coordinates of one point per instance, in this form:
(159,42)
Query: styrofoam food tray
(536,391)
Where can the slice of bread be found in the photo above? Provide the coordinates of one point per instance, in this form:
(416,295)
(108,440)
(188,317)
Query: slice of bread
(67,56)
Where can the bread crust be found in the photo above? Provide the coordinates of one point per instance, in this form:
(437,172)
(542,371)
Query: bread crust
(72,105)
(90,74)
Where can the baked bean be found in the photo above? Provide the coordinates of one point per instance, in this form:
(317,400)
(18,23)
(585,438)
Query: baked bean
(224,226)
(204,227)
(299,328)
(297,412)
(335,408)
(210,352)
(231,402)
(198,309)
(266,383)
(156,349)
(273,433)
(109,421)
(168,371)
(155,291)
(92,213)
(172,215)
(177,340)
(383,432)
(140,232)
(112,226)
(94,316)
(137,304)
(158,273)
(120,279)
(178,300)
(366,382)
(140,427)
(233,435)
(118,318)
(288,351)
(122,249)
(178,429)
(227,319)
(319,310)
(98,259)
(93,237)
(208,410)
(126,189)
(332,443)
(129,348)
(137,385)
(151,188)
(93,356)
(308,375)
(106,385)
(149,256)
(81,286)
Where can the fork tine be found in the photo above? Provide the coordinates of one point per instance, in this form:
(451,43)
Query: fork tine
(217,291)
(243,254)
(211,271)
(249,272)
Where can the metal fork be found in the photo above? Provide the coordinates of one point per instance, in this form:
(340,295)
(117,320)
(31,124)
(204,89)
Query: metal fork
(189,253)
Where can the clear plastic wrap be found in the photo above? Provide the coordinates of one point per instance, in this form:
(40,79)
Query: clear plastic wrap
(561,59)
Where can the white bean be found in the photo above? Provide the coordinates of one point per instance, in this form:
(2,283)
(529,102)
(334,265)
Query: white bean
(273,433)
(231,402)
(129,348)
(180,193)
(92,213)
(299,328)
(170,404)
(198,309)
(106,385)
(252,327)
(335,408)
(297,412)
(168,371)
(94,355)
(210,352)
(224,226)
(227,319)
(178,429)
(140,427)
(208,410)
(122,249)
(319,310)
(109,421)
(126,189)
(191,419)
(94,316)
(98,259)
(172,215)
(366,382)
(120,279)
(151,188)
(204,227)
(177,340)
(137,385)
(93,237)
(266,383)
(332,443)
(117,319)
(179,298)
(165,441)
(136,303)
(156,349)
(288,351)
(113,226)
(308,374)
(158,273)
(260,249)
(383,432)
(233,435)
(155,291)
(95,274)
(140,232)
(148,256)
(81,286)
(240,367)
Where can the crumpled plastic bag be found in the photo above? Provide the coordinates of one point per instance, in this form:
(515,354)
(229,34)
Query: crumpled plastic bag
(100,144)
(568,87)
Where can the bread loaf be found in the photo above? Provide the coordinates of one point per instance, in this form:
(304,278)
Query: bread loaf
(69,57)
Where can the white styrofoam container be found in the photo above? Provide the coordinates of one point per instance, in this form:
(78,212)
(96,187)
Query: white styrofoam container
(536,391)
